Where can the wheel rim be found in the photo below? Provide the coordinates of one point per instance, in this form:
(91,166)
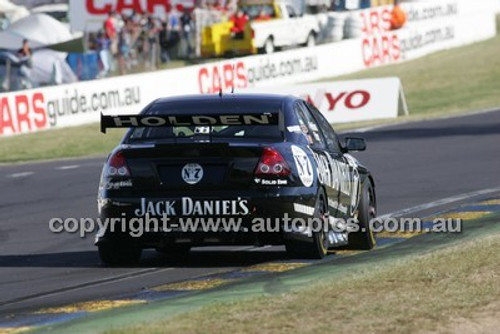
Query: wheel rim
(323,238)
(372,213)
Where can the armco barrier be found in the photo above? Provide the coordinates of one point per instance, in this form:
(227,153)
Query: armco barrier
(433,26)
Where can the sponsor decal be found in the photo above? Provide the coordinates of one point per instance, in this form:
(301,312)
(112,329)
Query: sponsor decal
(328,170)
(118,184)
(355,183)
(294,128)
(304,166)
(336,238)
(134,121)
(300,208)
(341,177)
(192,173)
(191,207)
(266,182)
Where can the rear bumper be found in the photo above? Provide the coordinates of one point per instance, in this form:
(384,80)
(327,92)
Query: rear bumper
(268,207)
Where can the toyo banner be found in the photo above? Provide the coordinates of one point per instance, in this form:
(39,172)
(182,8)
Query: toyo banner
(354,100)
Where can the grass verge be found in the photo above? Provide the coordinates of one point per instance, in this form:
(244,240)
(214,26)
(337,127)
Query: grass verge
(86,140)
(457,80)
(419,293)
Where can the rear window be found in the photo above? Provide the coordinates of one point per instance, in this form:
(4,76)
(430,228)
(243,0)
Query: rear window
(219,133)
(256,12)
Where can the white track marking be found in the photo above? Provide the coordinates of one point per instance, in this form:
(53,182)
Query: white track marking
(403,121)
(68,167)
(237,249)
(91,284)
(440,202)
(18,175)
(257,249)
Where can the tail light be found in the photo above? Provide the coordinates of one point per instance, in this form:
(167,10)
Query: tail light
(272,163)
(117,165)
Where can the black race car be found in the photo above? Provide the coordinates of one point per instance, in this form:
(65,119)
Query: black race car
(232,170)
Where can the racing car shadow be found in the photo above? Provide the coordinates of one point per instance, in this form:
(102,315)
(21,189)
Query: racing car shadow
(200,258)
(196,258)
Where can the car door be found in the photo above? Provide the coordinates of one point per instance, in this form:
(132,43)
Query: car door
(340,165)
(323,155)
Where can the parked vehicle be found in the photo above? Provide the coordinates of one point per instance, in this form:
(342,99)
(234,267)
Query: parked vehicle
(272,25)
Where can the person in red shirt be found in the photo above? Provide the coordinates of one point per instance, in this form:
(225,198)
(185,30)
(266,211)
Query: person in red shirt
(110,25)
(239,20)
(110,29)
(398,16)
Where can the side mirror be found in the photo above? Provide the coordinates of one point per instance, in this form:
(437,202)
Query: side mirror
(353,144)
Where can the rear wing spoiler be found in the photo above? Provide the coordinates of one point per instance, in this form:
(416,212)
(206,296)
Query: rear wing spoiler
(141,121)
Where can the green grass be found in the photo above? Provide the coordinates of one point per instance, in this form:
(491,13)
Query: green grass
(452,81)
(86,140)
(422,293)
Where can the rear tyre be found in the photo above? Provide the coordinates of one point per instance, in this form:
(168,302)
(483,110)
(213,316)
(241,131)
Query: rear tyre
(318,248)
(268,47)
(311,40)
(113,253)
(364,239)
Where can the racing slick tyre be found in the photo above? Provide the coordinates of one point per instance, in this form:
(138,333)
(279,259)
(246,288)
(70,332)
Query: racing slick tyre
(114,253)
(364,238)
(318,248)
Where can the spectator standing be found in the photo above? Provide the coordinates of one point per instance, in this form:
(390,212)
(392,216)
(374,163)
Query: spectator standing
(187,28)
(164,41)
(151,33)
(25,50)
(25,53)
(111,27)
(398,16)
(103,45)
(124,44)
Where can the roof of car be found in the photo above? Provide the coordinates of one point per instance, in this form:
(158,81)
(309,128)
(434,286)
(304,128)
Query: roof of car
(226,98)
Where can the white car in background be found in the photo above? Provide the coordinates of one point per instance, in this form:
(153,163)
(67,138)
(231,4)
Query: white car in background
(292,28)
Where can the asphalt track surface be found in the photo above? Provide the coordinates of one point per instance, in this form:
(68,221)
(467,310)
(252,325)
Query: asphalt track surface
(413,163)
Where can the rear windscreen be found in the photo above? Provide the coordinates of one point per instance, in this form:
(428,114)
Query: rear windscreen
(245,128)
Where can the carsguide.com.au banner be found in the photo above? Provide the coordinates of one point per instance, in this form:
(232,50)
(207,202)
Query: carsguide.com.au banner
(432,26)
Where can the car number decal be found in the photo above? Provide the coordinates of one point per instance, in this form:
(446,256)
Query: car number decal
(304,166)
